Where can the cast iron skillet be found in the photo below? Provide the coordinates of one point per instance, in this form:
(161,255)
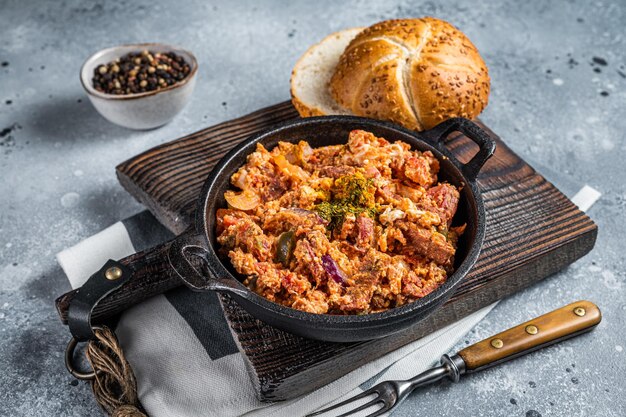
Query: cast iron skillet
(322,131)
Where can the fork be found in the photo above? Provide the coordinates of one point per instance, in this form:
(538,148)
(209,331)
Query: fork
(553,327)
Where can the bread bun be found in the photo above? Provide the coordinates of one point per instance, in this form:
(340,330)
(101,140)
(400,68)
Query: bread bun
(415,72)
(311,75)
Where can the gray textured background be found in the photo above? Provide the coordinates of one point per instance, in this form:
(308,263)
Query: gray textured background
(549,101)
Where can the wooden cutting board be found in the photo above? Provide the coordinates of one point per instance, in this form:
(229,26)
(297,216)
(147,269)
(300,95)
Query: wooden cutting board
(533,231)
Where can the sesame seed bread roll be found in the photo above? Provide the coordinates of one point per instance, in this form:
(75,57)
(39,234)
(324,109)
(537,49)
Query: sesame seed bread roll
(414,72)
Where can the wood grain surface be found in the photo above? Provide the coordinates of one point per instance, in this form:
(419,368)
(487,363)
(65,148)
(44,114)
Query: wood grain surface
(568,321)
(533,231)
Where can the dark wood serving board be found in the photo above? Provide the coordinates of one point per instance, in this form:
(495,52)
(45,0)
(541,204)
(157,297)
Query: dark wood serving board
(533,230)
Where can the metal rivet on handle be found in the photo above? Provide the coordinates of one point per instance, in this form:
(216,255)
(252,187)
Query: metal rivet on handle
(497,343)
(579,311)
(530,329)
(113,273)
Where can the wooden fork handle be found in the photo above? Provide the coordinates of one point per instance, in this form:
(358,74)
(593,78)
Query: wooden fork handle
(560,324)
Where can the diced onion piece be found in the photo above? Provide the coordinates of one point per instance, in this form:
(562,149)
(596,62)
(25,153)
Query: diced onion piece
(390,215)
(245,200)
(333,271)
(240,178)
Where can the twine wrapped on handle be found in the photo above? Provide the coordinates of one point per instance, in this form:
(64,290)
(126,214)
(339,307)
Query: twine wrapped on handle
(114,385)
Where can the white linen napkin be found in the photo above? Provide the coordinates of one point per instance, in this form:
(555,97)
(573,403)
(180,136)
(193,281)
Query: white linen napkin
(183,355)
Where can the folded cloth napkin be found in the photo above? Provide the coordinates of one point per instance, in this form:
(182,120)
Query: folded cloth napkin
(183,354)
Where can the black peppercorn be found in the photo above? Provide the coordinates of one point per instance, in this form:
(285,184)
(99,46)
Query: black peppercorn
(140,72)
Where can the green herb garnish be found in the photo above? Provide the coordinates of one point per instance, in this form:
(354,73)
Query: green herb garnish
(350,194)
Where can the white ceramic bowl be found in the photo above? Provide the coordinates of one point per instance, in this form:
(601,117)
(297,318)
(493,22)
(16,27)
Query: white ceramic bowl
(142,110)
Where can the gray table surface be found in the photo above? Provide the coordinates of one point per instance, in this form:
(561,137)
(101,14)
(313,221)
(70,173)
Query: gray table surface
(558,97)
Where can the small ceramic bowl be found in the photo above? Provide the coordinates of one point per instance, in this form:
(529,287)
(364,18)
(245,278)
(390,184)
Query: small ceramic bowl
(142,110)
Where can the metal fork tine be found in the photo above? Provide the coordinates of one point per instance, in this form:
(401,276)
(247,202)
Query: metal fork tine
(348,401)
(363,407)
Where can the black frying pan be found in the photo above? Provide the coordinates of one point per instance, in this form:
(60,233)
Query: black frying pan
(322,131)
(193,255)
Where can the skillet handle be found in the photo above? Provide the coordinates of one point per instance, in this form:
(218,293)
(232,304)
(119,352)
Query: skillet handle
(183,256)
(486,145)
(143,275)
